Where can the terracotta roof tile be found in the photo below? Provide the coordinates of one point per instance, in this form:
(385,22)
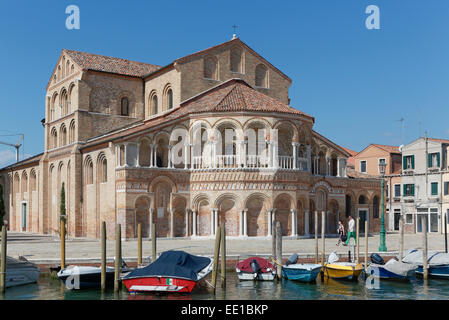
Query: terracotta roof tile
(391,149)
(96,62)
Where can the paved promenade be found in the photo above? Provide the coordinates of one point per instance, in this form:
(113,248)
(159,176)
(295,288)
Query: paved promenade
(46,249)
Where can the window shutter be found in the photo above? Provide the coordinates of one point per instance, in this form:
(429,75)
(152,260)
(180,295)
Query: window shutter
(438,159)
(429,160)
(404,163)
(445,187)
(404,189)
(413,161)
(413,190)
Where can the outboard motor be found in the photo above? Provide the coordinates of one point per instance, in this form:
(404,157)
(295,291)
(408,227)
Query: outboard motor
(377,259)
(255,267)
(292,259)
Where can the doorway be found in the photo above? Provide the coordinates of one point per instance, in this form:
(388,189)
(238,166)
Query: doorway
(363,215)
(397,217)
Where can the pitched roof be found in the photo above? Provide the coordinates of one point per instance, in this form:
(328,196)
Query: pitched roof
(390,149)
(354,174)
(234,95)
(23,162)
(351,152)
(96,62)
(439,140)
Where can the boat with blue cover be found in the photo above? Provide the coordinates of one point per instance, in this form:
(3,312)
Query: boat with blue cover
(437,263)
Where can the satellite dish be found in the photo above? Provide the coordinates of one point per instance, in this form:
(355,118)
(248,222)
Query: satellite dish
(400,147)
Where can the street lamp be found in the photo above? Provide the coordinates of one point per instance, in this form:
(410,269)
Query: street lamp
(382,246)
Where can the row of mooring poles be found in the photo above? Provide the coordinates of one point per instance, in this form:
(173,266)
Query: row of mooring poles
(220,249)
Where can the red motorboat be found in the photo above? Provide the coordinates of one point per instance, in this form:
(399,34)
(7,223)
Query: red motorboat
(255,268)
(173,271)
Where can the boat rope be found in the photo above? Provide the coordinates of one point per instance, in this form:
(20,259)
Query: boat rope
(210,284)
(276,262)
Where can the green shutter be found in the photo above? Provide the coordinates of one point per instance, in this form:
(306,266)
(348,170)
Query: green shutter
(434,188)
(404,189)
(404,163)
(429,160)
(438,159)
(413,161)
(413,190)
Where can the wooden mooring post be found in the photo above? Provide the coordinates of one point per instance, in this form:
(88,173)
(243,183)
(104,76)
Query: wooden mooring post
(401,239)
(323,237)
(153,243)
(357,252)
(216,257)
(118,257)
(223,256)
(62,235)
(366,244)
(279,249)
(316,237)
(103,256)
(139,244)
(273,240)
(424,244)
(3,261)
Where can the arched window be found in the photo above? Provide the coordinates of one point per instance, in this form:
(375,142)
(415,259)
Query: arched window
(154,104)
(362,199)
(89,171)
(125,107)
(102,167)
(72,69)
(261,76)
(33,180)
(53,107)
(69,99)
(169,98)
(72,132)
(53,139)
(64,103)
(62,135)
(210,68)
(236,60)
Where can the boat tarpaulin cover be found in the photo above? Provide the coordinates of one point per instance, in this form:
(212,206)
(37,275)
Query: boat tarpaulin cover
(399,268)
(264,264)
(433,258)
(174,264)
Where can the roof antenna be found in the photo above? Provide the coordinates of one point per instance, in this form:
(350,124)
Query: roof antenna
(234,36)
(402,120)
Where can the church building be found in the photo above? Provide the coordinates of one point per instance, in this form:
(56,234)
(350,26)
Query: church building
(208,139)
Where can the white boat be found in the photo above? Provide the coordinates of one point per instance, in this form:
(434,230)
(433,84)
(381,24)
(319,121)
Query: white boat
(255,268)
(437,262)
(20,271)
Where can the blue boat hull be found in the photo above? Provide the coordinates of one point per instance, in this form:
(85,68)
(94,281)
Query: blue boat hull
(302,275)
(382,273)
(435,271)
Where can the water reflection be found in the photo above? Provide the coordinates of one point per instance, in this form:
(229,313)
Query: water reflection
(416,289)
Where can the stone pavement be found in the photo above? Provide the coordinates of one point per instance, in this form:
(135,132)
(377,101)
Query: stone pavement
(46,249)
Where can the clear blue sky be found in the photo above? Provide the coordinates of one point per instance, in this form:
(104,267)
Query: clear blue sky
(356,82)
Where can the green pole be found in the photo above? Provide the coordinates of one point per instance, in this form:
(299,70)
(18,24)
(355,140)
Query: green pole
(382,246)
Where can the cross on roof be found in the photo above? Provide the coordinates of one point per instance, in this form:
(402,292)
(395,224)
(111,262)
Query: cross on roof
(234,27)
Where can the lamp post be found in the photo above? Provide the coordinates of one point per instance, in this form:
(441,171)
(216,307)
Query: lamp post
(382,246)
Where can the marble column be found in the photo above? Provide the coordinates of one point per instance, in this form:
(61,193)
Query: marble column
(294,222)
(155,156)
(137,155)
(151,222)
(241,224)
(245,222)
(126,155)
(212,224)
(306,222)
(187,222)
(151,155)
(186,156)
(245,146)
(172,223)
(269,220)
(169,158)
(216,221)
(295,154)
(328,166)
(270,158)
(194,223)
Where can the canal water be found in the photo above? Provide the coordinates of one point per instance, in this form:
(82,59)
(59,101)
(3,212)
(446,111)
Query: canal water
(52,289)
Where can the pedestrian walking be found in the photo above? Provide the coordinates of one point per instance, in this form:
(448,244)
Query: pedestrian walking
(351,232)
(341,233)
